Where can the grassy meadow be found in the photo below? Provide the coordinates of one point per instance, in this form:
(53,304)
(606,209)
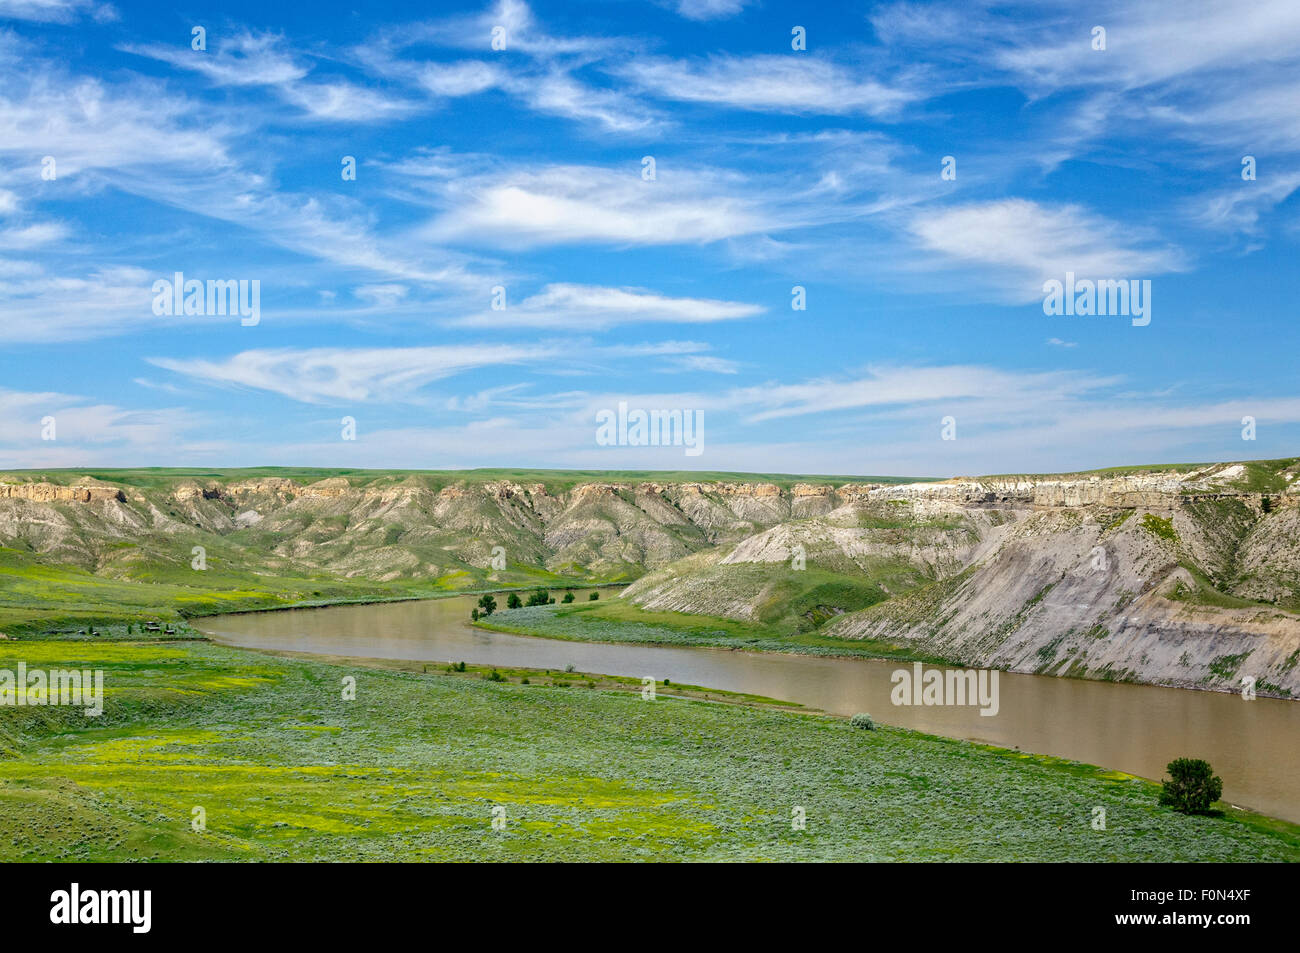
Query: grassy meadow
(579,767)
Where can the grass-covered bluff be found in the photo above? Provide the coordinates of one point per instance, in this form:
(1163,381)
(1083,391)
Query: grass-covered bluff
(410,770)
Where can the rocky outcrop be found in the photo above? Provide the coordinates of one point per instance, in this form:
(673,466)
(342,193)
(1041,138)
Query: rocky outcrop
(53,493)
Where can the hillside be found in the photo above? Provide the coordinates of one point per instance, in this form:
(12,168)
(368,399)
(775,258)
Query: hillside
(1183,575)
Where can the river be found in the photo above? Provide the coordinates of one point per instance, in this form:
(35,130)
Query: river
(1253,745)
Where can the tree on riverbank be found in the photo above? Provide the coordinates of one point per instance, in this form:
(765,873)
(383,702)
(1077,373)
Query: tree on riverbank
(1192,786)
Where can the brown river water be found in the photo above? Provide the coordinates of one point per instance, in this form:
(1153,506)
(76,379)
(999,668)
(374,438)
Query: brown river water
(1253,745)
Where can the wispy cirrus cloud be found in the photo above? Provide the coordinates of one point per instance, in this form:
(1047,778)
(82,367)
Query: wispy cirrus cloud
(1024,242)
(710,9)
(49,428)
(579,204)
(247,59)
(777,83)
(538,69)
(334,374)
(241,59)
(592,307)
(56,11)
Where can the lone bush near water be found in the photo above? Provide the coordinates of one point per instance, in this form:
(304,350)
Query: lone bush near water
(1192,786)
(862,720)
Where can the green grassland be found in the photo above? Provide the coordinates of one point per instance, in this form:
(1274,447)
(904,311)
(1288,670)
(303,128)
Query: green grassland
(412,769)
(554,480)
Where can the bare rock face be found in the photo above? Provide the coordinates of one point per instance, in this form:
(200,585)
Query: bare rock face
(328,489)
(53,493)
(1187,578)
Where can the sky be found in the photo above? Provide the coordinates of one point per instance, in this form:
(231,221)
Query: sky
(823,233)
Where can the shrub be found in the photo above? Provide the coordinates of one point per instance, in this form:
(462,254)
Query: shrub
(487,603)
(494,676)
(514,602)
(862,720)
(473,614)
(1159,526)
(1192,786)
(593,597)
(539,598)
(568,597)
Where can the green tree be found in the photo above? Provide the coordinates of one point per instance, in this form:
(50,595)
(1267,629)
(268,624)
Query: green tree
(539,598)
(513,602)
(487,603)
(593,597)
(568,597)
(1192,786)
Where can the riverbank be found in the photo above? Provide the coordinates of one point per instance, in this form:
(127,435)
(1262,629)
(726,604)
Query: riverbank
(618,621)
(418,765)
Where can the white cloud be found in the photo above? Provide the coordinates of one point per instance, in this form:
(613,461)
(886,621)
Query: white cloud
(704,363)
(1239,207)
(339,101)
(464,78)
(385,295)
(331,375)
(1027,243)
(576,204)
(85,432)
(32,236)
(592,307)
(39,306)
(244,59)
(794,83)
(56,11)
(913,387)
(710,9)
(1157,42)
(85,124)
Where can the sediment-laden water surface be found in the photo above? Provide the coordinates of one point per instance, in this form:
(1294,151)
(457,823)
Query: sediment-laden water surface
(1253,745)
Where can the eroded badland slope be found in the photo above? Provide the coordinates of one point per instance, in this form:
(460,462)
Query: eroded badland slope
(1180,575)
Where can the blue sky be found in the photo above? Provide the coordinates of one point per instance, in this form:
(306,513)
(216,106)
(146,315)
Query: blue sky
(523,169)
